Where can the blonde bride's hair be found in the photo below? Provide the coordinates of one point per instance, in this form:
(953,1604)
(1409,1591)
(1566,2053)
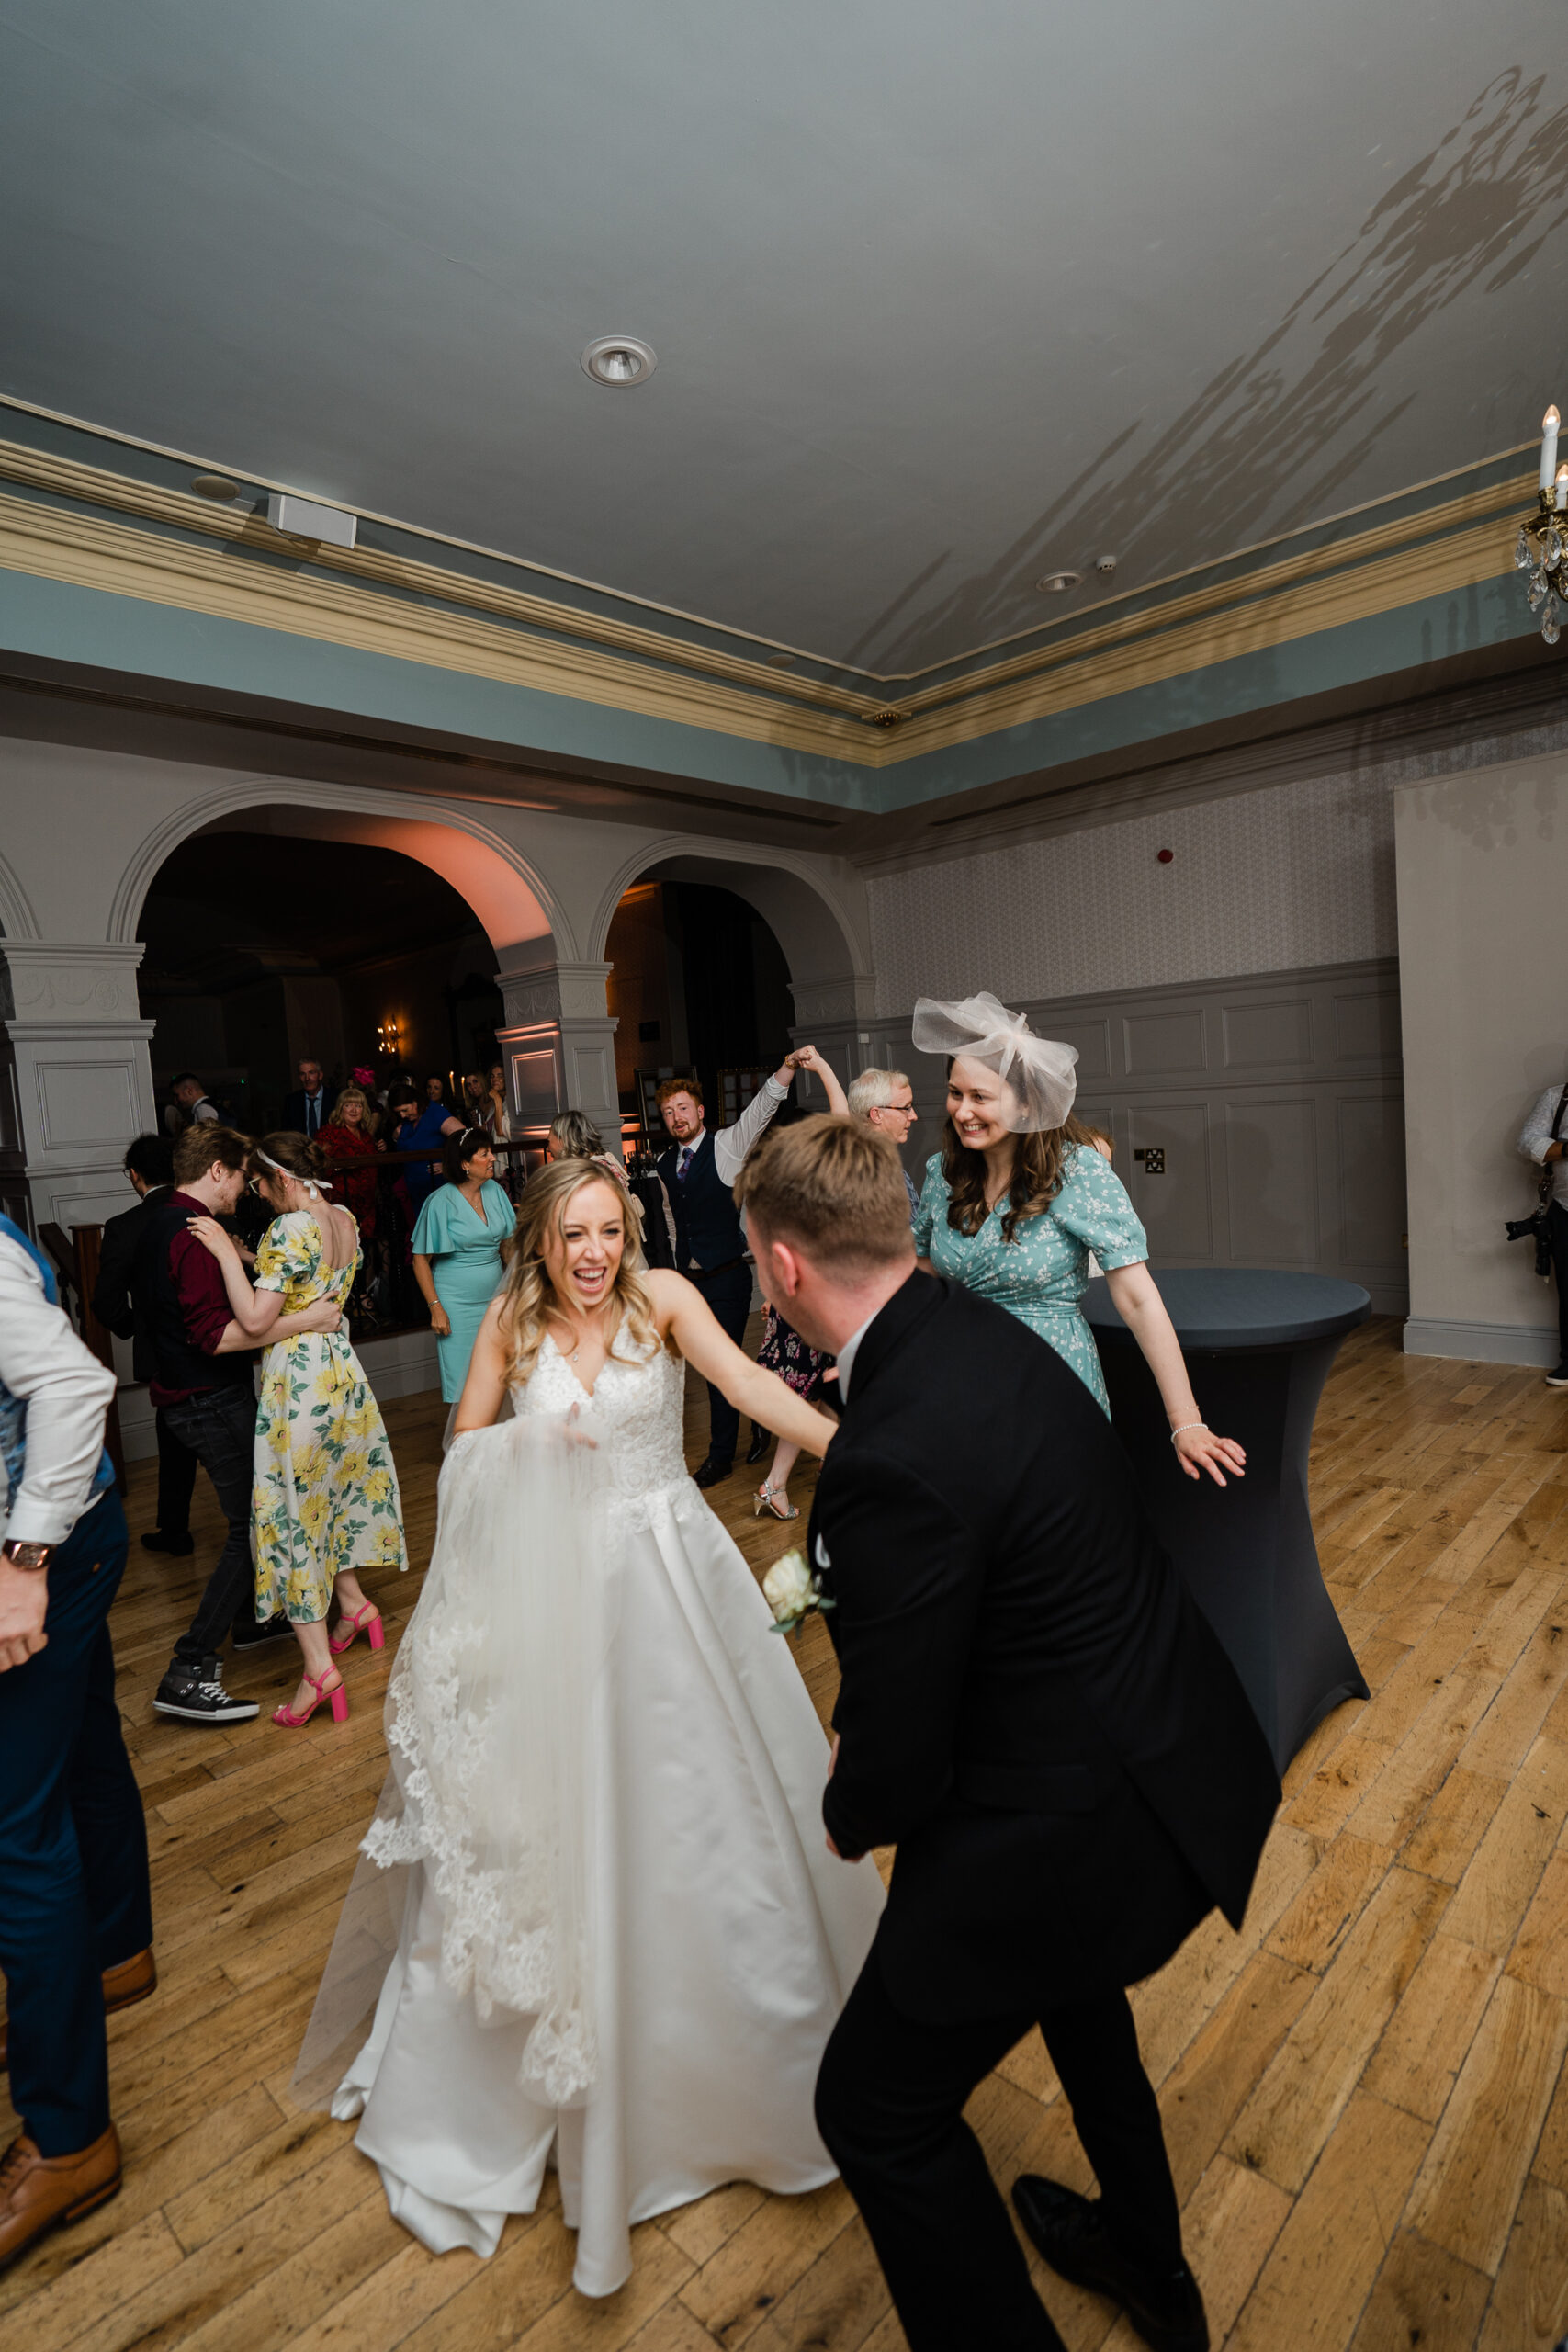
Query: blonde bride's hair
(526,1296)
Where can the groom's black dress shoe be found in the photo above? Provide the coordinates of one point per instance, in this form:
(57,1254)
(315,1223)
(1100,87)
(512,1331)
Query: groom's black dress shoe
(712,1471)
(1166,2308)
(760,1440)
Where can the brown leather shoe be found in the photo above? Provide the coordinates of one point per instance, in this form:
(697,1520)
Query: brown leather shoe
(37,2193)
(126,1984)
(130,1981)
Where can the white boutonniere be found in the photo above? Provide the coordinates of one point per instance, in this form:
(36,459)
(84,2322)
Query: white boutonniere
(791,1590)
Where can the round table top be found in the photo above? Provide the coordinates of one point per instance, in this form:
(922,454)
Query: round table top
(1236,1306)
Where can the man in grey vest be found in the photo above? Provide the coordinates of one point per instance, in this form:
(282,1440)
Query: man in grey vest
(699,1171)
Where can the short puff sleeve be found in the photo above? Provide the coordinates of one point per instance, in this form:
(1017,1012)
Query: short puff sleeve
(288,1249)
(933,1203)
(1094,1207)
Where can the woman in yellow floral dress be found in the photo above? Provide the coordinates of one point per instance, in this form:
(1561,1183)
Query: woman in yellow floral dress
(326,1501)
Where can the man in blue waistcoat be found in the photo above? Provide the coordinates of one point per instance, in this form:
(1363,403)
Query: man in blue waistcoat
(75,1912)
(699,1171)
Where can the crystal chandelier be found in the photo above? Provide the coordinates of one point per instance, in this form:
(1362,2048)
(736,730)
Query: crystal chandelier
(1541,548)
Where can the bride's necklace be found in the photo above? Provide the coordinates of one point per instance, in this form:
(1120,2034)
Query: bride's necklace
(577,1344)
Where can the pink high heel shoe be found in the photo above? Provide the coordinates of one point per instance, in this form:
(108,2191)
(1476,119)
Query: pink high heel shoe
(287,1717)
(366,1620)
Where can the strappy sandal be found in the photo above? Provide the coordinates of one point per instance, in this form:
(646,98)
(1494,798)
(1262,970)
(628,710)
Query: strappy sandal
(366,1620)
(337,1697)
(779,1505)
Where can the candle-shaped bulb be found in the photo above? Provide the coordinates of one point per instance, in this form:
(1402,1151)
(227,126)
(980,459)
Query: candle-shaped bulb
(1561,489)
(1552,422)
(1549,424)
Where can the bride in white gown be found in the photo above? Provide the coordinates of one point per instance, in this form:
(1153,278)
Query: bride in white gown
(618,1940)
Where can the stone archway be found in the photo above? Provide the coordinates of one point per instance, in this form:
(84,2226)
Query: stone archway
(829,974)
(510,898)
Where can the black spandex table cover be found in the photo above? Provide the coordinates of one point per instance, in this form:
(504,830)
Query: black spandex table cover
(1258,1346)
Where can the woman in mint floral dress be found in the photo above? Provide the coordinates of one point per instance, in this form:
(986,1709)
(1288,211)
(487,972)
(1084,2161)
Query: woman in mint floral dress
(1018,1196)
(325,1503)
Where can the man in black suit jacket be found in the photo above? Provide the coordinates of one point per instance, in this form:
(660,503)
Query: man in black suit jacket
(307,1109)
(1034,1712)
(150,1164)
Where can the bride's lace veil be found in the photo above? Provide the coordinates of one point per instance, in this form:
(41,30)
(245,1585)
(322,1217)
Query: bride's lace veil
(489,1726)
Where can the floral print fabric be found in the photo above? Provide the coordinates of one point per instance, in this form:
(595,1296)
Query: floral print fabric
(1041,1275)
(786,1353)
(325,1494)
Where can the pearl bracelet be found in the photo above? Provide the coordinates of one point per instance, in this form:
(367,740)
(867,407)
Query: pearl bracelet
(1185,1427)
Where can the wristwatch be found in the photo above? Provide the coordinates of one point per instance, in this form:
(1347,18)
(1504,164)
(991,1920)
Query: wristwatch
(23,1554)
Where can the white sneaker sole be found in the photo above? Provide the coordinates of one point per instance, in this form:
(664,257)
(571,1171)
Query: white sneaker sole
(241,1711)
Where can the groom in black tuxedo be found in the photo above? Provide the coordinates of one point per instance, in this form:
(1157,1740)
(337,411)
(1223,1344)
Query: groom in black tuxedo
(1034,1712)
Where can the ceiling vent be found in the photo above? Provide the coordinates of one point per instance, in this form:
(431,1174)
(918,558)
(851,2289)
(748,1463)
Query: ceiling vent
(301,518)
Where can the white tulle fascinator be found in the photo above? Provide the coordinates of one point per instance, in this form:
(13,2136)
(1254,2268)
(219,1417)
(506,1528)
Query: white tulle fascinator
(1040,1074)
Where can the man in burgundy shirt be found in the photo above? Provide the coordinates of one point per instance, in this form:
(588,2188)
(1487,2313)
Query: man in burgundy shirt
(201,1382)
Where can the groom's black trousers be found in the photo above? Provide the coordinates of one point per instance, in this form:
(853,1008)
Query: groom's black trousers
(889,2105)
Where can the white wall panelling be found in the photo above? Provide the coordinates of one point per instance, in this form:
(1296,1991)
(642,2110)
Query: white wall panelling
(1276,1098)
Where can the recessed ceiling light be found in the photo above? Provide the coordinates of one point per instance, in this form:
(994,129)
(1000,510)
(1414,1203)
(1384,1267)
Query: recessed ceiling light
(619,360)
(1056,583)
(215,486)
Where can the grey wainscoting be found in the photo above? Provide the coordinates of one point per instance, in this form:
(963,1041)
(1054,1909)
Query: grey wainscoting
(1276,1099)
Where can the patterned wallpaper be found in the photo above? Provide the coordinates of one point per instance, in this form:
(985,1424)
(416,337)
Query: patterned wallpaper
(1266,881)
(1293,875)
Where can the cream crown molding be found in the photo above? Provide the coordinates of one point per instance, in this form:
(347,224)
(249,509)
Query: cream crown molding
(373,601)
(883,678)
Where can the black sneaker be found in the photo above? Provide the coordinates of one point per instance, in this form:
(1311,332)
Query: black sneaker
(178,1544)
(1557,1379)
(195,1694)
(251,1633)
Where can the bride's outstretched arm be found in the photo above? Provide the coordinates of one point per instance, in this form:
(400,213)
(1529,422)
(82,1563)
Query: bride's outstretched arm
(486,1384)
(686,1316)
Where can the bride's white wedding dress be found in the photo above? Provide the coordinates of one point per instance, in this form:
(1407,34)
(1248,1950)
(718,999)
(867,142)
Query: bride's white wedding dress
(632,1975)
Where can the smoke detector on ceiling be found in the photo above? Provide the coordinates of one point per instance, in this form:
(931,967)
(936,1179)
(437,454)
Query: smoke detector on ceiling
(619,360)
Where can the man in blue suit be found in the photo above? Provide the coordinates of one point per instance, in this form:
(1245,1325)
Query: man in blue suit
(75,1911)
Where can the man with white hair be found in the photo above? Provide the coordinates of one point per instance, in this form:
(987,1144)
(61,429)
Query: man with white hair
(886,1100)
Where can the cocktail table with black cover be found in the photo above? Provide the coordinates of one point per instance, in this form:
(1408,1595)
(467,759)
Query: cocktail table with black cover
(1258,1346)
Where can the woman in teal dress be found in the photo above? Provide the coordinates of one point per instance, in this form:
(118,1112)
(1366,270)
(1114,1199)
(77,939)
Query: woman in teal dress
(1018,1196)
(460,1242)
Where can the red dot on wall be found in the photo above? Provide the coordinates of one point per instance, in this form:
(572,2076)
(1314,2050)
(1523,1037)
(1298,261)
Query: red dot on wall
(1166,855)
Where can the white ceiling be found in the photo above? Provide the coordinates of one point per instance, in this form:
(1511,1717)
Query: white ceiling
(943,296)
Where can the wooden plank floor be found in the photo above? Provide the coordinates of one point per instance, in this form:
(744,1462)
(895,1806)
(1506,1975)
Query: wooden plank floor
(1363,2091)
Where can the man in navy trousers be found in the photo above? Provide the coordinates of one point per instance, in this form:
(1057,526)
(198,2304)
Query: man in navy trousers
(75,1911)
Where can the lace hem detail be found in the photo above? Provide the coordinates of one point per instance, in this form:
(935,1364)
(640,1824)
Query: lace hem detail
(485,1726)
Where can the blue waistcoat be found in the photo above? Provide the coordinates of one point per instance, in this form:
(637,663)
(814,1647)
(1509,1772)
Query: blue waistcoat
(707,1223)
(14,1409)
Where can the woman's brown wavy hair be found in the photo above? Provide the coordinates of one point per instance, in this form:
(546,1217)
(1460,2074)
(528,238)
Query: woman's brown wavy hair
(1038,1168)
(526,1291)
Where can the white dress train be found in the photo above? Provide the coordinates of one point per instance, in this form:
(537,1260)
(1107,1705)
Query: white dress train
(723,1936)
